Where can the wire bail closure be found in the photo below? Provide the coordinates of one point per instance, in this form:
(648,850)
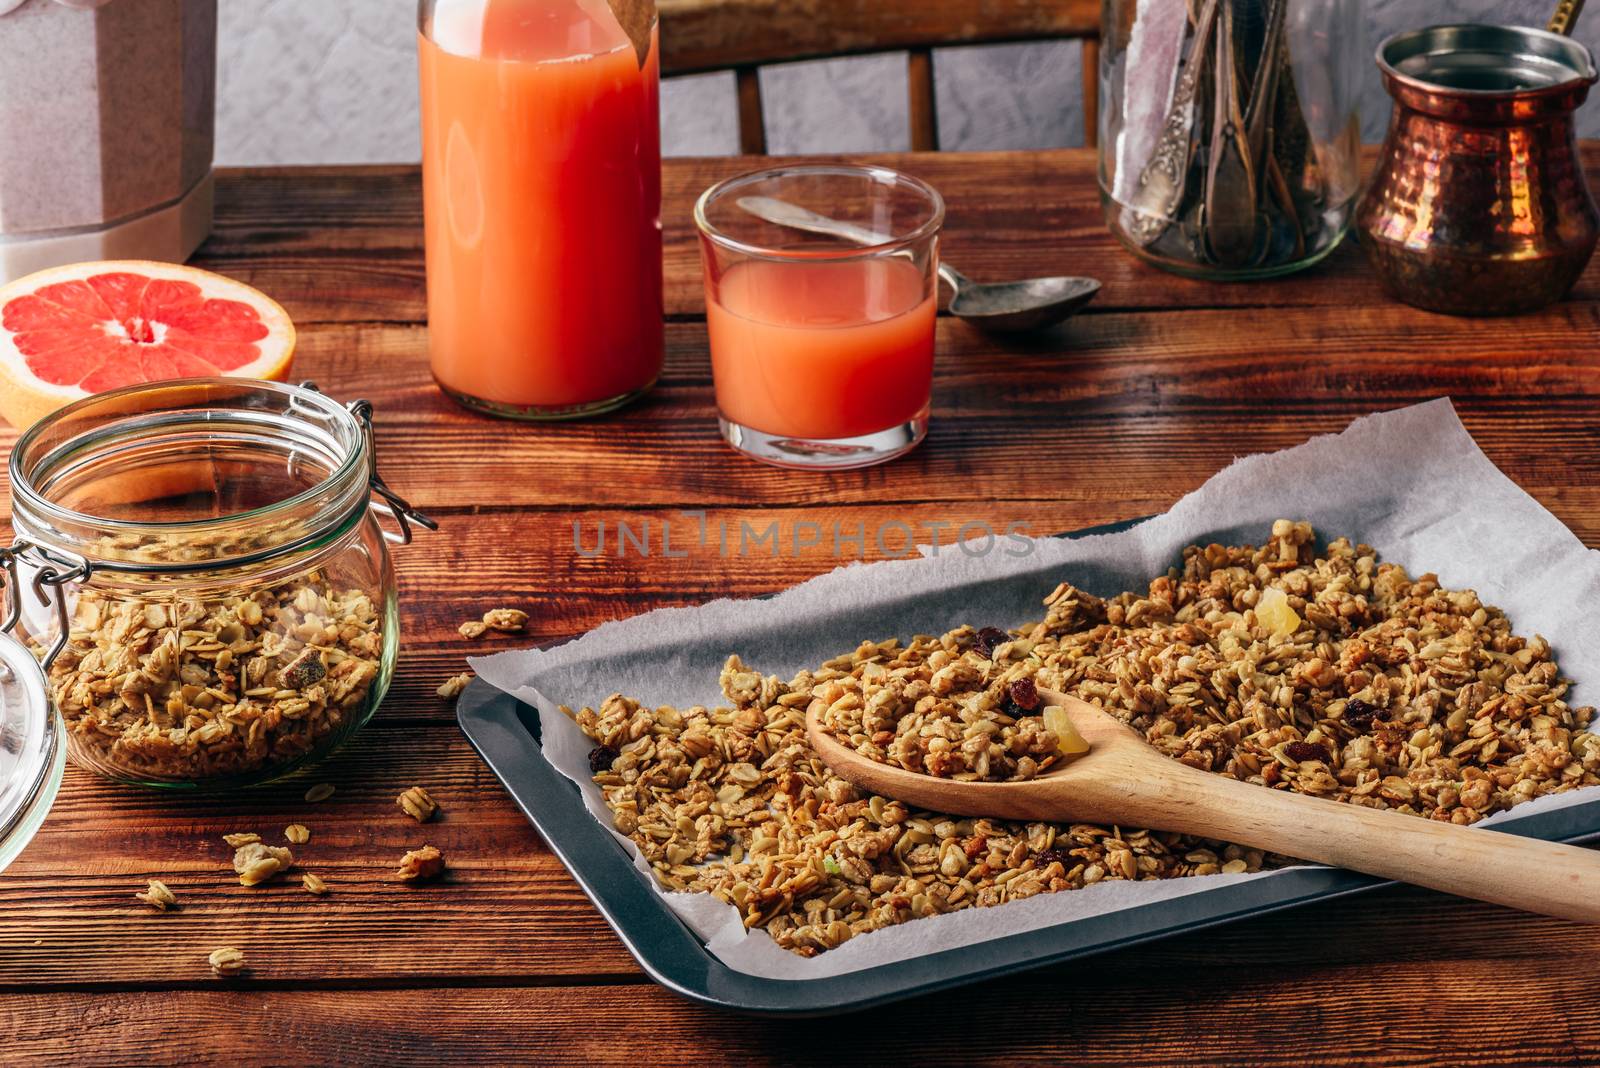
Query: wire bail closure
(49,585)
(390,503)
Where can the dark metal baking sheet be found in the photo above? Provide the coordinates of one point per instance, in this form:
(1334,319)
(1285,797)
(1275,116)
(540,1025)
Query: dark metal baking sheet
(505,733)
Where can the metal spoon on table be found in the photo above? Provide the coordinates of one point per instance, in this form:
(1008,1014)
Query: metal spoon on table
(1031,304)
(1123,780)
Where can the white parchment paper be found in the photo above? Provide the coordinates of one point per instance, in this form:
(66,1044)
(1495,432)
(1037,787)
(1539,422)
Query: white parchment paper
(1411,483)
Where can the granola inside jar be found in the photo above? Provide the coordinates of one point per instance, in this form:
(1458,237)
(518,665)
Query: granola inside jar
(212,597)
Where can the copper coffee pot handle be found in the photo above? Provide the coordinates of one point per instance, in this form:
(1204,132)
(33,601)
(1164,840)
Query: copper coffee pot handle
(1566,17)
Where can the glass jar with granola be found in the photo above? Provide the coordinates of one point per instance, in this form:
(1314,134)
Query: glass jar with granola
(200,568)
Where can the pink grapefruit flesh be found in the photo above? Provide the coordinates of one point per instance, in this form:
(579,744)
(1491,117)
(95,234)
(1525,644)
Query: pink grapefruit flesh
(72,331)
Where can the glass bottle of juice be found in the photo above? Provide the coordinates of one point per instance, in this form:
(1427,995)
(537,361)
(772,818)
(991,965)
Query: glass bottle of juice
(541,162)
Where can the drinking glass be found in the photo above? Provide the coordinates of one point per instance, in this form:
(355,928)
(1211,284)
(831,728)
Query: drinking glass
(822,346)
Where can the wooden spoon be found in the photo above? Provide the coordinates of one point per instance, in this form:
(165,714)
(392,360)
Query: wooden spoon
(1122,780)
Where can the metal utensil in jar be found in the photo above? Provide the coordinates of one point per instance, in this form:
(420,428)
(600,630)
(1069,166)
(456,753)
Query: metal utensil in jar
(1479,204)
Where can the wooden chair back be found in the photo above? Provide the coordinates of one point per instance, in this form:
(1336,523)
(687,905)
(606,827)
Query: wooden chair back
(708,35)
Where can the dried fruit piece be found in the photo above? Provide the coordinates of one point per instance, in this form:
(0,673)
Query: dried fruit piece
(988,638)
(297,833)
(1067,737)
(509,620)
(451,688)
(320,792)
(256,863)
(1360,714)
(313,884)
(1046,857)
(1305,751)
(1274,613)
(225,962)
(473,628)
(601,758)
(417,804)
(243,838)
(420,865)
(158,896)
(1024,694)
(306,668)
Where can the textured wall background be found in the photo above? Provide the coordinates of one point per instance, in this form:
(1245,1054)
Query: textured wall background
(334,81)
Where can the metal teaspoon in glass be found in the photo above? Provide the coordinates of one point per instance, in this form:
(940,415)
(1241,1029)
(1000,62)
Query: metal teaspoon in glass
(1010,307)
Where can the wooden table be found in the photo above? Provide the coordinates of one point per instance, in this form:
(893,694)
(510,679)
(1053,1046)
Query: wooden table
(1159,385)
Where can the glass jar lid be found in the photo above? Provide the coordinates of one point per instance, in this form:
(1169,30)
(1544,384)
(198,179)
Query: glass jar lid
(31,753)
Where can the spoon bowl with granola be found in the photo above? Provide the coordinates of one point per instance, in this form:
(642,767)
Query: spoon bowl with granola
(1119,779)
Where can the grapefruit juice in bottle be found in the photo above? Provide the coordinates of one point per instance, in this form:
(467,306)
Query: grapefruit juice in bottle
(541,159)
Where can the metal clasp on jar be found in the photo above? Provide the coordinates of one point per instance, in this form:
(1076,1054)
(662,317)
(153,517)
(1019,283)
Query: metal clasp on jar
(55,569)
(389,503)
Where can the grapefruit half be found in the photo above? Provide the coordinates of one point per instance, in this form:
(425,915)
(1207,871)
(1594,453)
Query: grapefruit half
(72,331)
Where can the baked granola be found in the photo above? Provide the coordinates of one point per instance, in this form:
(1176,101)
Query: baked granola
(420,865)
(178,687)
(1326,673)
(158,897)
(506,620)
(451,688)
(955,707)
(418,804)
(258,862)
(226,962)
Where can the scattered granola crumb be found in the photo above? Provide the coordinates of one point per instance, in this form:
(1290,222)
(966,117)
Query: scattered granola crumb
(417,804)
(158,896)
(313,884)
(451,688)
(419,865)
(244,838)
(256,863)
(320,792)
(297,833)
(226,962)
(473,628)
(507,620)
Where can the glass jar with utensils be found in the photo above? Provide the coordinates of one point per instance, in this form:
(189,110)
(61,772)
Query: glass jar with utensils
(1229,132)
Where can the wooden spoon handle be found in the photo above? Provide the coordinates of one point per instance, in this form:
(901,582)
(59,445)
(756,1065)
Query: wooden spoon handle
(1507,869)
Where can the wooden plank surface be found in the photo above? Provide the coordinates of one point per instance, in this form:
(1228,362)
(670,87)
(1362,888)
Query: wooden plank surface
(702,35)
(1116,414)
(336,245)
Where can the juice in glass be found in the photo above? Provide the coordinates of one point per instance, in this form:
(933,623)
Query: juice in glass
(822,350)
(822,346)
(542,201)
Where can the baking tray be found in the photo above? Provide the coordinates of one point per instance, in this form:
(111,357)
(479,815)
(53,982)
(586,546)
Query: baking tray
(505,732)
